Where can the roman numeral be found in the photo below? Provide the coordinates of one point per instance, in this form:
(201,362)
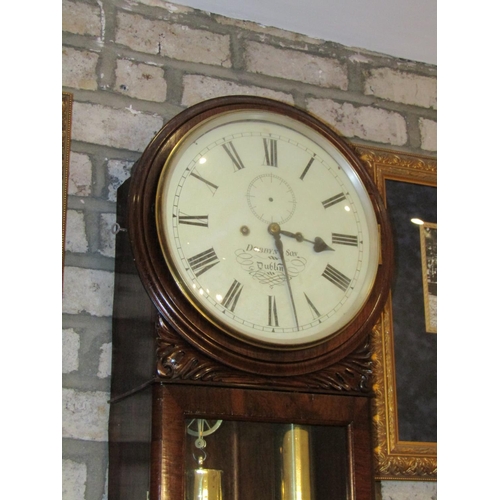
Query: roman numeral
(344,239)
(336,277)
(272,311)
(333,200)
(312,307)
(213,188)
(233,154)
(308,166)
(271,152)
(194,220)
(231,298)
(203,261)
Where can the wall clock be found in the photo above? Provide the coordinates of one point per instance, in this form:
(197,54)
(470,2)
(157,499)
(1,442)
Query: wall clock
(258,234)
(255,257)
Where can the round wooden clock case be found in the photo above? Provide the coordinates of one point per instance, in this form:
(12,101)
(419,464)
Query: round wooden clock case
(259,236)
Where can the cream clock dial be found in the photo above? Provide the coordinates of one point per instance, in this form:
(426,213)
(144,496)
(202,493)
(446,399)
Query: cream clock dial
(267,228)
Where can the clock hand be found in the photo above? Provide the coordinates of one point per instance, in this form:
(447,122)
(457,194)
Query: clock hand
(275,229)
(319,243)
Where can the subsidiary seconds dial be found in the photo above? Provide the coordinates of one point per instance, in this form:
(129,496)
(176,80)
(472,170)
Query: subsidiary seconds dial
(267,228)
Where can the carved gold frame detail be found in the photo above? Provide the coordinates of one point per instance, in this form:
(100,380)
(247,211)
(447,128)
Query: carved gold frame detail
(395,459)
(67,105)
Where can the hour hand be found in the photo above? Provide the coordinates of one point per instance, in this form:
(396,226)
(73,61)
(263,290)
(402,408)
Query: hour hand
(319,244)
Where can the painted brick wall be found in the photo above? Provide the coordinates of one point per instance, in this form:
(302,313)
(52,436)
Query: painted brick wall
(131,66)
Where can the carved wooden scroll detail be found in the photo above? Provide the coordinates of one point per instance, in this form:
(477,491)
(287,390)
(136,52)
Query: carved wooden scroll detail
(178,360)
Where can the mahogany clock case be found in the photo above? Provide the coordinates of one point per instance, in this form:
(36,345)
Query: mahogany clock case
(176,309)
(170,364)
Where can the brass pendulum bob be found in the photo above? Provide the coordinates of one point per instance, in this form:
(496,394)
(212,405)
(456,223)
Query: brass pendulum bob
(296,464)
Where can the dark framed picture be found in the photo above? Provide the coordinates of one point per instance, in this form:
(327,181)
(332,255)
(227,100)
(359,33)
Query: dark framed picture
(404,350)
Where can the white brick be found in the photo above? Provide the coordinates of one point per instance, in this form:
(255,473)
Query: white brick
(88,291)
(198,88)
(107,243)
(409,490)
(170,7)
(74,478)
(70,347)
(81,18)
(141,81)
(118,173)
(295,65)
(172,40)
(106,485)
(79,68)
(428,134)
(85,415)
(119,128)
(76,239)
(365,122)
(398,86)
(267,31)
(80,174)
(104,369)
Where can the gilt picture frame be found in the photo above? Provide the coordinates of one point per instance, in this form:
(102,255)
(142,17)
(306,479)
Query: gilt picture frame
(404,416)
(67,106)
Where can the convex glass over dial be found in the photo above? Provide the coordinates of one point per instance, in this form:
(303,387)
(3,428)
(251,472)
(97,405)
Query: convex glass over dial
(267,228)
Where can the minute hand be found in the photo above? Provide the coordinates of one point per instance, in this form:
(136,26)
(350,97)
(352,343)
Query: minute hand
(319,243)
(274,229)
